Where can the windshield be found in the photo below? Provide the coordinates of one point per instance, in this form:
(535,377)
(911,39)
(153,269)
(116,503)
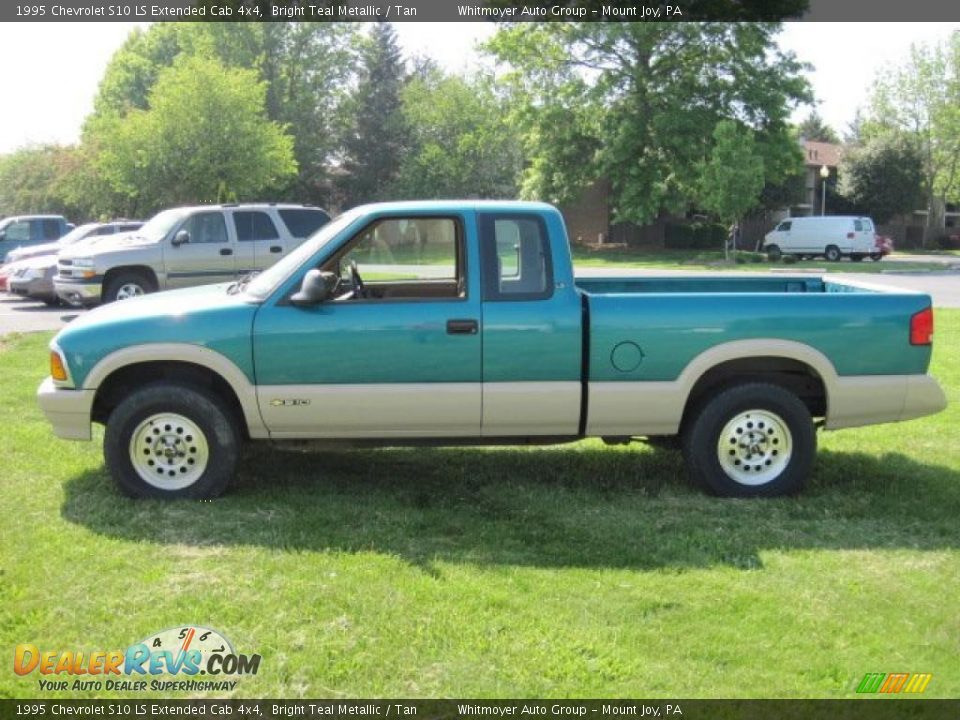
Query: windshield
(265,282)
(157,227)
(78,233)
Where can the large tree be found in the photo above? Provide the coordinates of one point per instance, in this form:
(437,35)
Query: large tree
(204,138)
(637,103)
(376,138)
(883,177)
(461,144)
(922,99)
(32,180)
(814,128)
(307,67)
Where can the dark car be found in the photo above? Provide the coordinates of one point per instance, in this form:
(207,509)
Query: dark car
(23,230)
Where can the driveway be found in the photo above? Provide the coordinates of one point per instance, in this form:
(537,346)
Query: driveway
(19,316)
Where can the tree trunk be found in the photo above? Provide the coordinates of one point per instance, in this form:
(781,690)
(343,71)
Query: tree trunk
(935,221)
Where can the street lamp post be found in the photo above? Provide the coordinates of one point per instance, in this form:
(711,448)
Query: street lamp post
(824,174)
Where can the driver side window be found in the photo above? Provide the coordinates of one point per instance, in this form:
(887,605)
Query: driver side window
(405,258)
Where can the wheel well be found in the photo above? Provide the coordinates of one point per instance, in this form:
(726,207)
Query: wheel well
(792,375)
(118,384)
(143,270)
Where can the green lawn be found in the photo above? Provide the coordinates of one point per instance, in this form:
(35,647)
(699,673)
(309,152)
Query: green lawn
(713,261)
(579,570)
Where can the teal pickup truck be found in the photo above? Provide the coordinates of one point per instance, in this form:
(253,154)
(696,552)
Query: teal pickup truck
(461,323)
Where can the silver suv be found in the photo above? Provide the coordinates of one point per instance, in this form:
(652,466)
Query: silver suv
(183,247)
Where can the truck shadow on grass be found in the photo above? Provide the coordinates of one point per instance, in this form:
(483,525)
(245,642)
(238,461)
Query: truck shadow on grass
(573,506)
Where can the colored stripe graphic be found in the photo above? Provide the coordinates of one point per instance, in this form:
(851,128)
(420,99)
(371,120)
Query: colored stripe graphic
(871,682)
(894,682)
(918,683)
(890,683)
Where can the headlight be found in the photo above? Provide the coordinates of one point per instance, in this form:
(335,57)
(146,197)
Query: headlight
(83,262)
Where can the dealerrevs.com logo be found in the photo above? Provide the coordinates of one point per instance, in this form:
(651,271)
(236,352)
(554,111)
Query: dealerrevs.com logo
(185,653)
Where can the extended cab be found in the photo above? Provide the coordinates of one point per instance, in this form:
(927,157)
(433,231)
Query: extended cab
(183,247)
(457,322)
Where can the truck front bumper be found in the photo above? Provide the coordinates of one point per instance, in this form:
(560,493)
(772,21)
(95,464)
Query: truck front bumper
(78,292)
(67,410)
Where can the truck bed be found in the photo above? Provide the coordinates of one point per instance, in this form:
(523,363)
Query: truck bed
(863,328)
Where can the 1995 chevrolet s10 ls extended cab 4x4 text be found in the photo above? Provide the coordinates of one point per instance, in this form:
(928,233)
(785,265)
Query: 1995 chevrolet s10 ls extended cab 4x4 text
(460,323)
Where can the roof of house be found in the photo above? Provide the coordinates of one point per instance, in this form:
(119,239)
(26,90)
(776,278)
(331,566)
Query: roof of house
(821,153)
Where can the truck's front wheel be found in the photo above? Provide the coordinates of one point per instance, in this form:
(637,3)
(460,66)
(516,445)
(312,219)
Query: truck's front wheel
(168,440)
(751,440)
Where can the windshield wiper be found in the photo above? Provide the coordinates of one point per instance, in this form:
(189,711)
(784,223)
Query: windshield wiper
(240,284)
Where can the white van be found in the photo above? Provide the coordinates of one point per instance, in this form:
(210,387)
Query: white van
(832,236)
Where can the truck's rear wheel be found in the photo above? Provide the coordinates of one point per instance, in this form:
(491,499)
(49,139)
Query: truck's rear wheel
(168,440)
(126,285)
(751,440)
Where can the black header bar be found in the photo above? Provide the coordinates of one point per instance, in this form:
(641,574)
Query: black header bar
(479,10)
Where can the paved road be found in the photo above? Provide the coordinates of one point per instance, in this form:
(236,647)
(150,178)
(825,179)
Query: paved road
(18,315)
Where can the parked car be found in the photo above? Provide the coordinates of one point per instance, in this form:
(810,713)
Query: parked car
(24,230)
(183,247)
(461,322)
(883,246)
(832,236)
(33,279)
(79,233)
(6,271)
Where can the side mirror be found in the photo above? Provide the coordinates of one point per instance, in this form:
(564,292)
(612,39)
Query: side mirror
(316,287)
(181,238)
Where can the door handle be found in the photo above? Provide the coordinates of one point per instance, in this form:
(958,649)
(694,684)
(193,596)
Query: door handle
(276,249)
(462,327)
(226,251)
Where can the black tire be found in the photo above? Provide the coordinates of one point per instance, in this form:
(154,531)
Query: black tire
(124,280)
(704,441)
(774,253)
(832,253)
(195,406)
(875,257)
(856,257)
(51,302)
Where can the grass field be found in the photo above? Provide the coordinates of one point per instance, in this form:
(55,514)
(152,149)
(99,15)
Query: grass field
(713,261)
(579,570)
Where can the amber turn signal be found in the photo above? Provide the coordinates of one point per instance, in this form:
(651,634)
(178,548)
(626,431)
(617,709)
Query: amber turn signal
(57,369)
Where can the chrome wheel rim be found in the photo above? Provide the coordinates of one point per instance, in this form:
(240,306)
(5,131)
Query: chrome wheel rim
(754,447)
(129,290)
(169,451)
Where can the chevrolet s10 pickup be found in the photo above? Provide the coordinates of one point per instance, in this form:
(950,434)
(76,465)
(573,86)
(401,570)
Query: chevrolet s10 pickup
(462,323)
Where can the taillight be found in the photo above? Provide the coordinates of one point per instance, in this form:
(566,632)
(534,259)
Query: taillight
(877,242)
(849,236)
(921,327)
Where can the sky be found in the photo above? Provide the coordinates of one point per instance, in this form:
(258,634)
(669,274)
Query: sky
(49,90)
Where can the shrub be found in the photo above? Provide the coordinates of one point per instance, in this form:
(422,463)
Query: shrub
(949,242)
(694,236)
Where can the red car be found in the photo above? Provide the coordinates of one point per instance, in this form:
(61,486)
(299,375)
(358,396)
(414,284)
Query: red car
(883,246)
